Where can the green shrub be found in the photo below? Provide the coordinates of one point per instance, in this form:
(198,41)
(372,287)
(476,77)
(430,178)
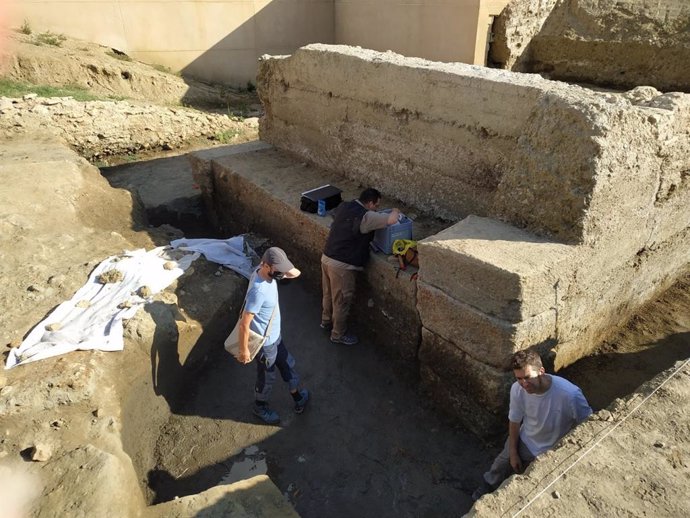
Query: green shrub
(25,28)
(161,68)
(50,38)
(227,136)
(9,88)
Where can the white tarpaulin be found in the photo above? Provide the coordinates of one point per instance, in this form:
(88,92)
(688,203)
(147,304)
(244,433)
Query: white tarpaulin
(92,318)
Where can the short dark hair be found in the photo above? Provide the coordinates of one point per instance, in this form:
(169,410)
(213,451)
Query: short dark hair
(522,359)
(369,194)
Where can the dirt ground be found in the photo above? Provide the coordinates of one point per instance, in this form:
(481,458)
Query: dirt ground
(368,445)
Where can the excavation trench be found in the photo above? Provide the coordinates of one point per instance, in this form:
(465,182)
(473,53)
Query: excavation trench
(370,444)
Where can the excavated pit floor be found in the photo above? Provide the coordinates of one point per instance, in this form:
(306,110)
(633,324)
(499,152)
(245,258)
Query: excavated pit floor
(368,445)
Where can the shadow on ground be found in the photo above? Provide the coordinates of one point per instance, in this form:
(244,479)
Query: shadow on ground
(606,376)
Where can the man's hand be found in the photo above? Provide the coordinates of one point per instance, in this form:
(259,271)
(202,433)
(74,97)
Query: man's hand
(515,462)
(393,216)
(243,356)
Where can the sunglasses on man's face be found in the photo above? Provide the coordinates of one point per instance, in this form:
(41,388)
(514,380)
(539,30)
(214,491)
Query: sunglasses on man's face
(275,274)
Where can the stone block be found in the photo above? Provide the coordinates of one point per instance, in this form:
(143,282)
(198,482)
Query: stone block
(460,408)
(442,130)
(472,392)
(487,339)
(501,270)
(386,308)
(611,289)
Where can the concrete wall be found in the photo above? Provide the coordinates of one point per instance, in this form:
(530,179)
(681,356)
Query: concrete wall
(222,41)
(440,30)
(216,41)
(573,205)
(620,44)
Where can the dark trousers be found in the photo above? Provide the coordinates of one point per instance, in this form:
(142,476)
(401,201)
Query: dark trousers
(266,365)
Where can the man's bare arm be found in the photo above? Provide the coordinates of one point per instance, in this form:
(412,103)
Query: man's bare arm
(513,446)
(393,216)
(245,320)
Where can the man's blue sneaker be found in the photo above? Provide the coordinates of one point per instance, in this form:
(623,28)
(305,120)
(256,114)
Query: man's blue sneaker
(267,415)
(302,403)
(345,340)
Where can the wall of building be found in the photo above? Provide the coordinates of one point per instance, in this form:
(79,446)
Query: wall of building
(221,41)
(216,41)
(441,30)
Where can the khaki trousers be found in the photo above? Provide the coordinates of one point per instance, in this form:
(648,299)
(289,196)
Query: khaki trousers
(338,293)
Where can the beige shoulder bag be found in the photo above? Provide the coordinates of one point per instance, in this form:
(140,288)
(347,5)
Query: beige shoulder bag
(255,341)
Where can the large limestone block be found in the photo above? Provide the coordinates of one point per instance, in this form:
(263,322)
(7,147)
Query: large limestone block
(472,392)
(611,289)
(501,270)
(441,128)
(437,90)
(385,306)
(486,339)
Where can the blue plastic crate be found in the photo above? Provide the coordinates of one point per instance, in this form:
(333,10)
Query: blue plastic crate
(384,238)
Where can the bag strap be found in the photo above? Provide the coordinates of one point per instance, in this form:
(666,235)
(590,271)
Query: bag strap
(270,320)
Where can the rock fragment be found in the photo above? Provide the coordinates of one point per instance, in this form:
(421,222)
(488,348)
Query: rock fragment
(110,277)
(40,452)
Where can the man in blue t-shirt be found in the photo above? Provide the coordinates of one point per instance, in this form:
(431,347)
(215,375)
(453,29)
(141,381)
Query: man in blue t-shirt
(261,310)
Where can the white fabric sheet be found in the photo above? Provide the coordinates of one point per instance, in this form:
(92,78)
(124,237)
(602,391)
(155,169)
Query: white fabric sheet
(98,325)
(233,253)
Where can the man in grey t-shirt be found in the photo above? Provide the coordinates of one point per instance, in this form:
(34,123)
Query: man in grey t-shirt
(543,408)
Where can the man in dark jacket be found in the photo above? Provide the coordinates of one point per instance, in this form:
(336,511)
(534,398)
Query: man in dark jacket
(346,253)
